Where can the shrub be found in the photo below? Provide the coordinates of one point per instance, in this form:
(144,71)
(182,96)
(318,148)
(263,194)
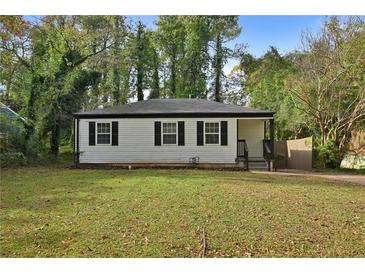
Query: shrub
(8,159)
(327,155)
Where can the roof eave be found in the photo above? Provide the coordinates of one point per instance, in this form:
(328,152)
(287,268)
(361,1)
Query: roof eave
(177,115)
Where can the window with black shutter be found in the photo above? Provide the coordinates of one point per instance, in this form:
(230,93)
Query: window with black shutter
(199,133)
(91,133)
(114,133)
(181,133)
(224,134)
(157,133)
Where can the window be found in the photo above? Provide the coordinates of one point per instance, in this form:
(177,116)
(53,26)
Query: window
(211,133)
(169,133)
(103,133)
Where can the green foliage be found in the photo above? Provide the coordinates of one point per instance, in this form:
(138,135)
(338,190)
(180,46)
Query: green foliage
(224,29)
(12,159)
(316,91)
(194,51)
(141,59)
(327,155)
(329,81)
(12,134)
(195,62)
(266,87)
(170,38)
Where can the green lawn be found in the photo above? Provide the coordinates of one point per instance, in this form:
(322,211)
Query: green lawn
(59,212)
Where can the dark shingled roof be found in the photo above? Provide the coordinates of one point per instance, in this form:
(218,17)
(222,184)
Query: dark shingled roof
(175,108)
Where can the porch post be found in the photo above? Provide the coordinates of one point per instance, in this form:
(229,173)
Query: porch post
(272,131)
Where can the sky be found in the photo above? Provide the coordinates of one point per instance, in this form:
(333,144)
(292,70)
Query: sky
(261,32)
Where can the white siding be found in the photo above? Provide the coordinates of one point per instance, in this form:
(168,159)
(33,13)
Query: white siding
(136,143)
(253,132)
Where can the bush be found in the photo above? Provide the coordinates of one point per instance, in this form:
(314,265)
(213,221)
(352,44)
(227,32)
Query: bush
(327,155)
(8,159)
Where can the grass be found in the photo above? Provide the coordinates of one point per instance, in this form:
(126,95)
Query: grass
(58,212)
(349,171)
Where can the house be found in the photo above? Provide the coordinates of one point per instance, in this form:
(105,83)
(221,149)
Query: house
(175,132)
(10,123)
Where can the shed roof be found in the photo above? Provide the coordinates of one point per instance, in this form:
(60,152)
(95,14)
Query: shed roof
(11,114)
(175,108)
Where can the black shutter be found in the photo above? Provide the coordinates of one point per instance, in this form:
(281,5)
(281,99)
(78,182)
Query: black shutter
(199,133)
(114,133)
(181,133)
(91,133)
(157,133)
(224,137)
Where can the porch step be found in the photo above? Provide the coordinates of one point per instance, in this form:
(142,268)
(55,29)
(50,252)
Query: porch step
(258,165)
(255,163)
(256,159)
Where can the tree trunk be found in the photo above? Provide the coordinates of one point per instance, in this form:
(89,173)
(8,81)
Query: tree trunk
(155,90)
(116,86)
(218,68)
(31,117)
(140,96)
(55,134)
(173,74)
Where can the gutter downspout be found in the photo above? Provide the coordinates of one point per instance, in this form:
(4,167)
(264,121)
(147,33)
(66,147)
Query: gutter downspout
(76,143)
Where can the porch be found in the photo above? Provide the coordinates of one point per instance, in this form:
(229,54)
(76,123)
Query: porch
(255,143)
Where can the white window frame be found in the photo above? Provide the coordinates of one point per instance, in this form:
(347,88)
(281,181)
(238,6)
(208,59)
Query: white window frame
(219,133)
(162,133)
(110,133)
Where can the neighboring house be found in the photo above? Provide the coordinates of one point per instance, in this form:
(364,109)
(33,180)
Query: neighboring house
(355,158)
(9,121)
(175,131)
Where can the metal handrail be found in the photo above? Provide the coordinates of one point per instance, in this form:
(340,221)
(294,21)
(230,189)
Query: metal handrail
(268,151)
(245,150)
(242,151)
(246,154)
(241,148)
(267,147)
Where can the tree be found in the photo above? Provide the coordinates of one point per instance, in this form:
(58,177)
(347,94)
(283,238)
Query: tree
(224,29)
(329,83)
(235,83)
(265,80)
(24,48)
(73,41)
(155,67)
(141,60)
(53,66)
(171,37)
(115,73)
(195,62)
